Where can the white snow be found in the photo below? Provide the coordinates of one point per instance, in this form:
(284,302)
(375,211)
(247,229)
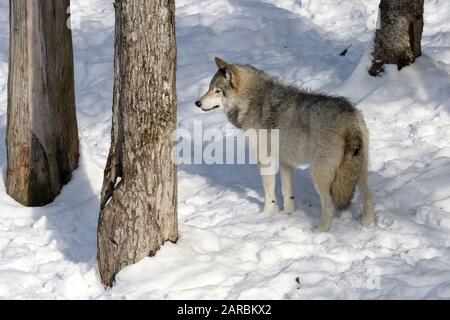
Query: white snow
(228,248)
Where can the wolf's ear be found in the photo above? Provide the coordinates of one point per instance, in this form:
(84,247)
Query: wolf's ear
(229,71)
(232,74)
(222,64)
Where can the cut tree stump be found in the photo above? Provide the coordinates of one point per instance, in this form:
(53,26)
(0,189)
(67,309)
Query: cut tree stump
(398,36)
(42,134)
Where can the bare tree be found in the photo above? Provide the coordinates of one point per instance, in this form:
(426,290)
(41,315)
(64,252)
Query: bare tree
(139,196)
(42,135)
(398,39)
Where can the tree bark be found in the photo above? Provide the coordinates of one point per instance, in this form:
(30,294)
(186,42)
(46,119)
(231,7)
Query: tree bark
(398,40)
(42,134)
(139,196)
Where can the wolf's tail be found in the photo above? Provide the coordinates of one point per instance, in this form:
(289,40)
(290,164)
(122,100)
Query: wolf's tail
(349,171)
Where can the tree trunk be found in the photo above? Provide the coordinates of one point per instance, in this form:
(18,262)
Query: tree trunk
(42,134)
(398,37)
(139,196)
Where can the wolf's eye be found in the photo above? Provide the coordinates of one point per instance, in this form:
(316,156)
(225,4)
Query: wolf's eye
(218,91)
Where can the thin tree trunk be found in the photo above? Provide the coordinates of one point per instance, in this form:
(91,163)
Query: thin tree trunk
(398,40)
(42,134)
(139,196)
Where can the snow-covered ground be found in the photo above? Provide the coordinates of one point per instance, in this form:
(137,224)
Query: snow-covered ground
(228,247)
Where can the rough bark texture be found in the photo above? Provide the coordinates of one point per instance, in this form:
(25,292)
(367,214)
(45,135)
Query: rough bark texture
(42,135)
(398,41)
(139,196)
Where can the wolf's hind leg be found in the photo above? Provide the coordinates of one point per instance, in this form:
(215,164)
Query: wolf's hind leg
(269,183)
(287,173)
(322,179)
(368,213)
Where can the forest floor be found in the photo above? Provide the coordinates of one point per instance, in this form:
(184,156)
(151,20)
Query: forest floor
(228,248)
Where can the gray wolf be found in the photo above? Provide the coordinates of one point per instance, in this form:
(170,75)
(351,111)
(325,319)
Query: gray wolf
(326,132)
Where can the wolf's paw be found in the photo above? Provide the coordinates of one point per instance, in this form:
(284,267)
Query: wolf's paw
(367,220)
(320,229)
(323,227)
(271,207)
(289,206)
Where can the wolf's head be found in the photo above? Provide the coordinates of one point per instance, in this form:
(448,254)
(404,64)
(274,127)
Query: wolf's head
(222,88)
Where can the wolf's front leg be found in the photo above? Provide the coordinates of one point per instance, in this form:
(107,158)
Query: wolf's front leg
(287,173)
(269,182)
